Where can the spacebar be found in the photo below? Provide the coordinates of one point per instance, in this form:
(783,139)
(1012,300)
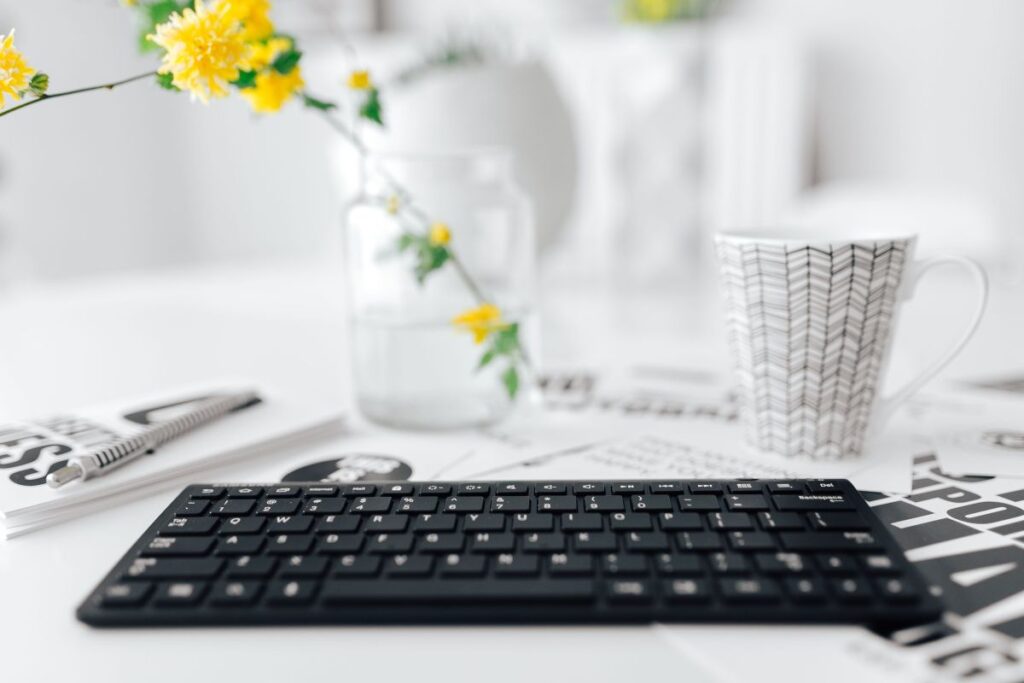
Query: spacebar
(406,591)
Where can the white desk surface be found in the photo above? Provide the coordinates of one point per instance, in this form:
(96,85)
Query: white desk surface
(77,343)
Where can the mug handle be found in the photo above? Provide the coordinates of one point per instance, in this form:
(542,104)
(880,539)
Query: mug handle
(888,404)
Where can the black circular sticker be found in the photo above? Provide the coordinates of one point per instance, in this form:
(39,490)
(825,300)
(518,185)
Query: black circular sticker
(353,467)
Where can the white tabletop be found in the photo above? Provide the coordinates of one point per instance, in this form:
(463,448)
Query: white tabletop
(74,344)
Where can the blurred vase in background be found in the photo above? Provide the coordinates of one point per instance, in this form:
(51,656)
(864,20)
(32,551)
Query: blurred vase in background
(412,368)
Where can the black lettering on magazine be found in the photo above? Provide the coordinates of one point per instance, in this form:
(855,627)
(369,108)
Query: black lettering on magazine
(1001,572)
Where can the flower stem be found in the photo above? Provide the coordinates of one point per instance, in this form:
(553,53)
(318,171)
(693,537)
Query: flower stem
(77,91)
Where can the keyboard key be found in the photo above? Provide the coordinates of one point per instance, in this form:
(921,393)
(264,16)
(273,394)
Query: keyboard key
(462,566)
(165,546)
(156,569)
(487,542)
(615,564)
(244,492)
(386,523)
(745,487)
(542,542)
(686,590)
(728,563)
(484,522)
(464,504)
(604,503)
(321,491)
(851,589)
(553,489)
(698,503)
(303,567)
(646,542)
(751,540)
(536,521)
(279,506)
(435,490)
(416,506)
(698,540)
(180,593)
(235,593)
(556,504)
(628,487)
(441,543)
(439,522)
(629,591)
(780,521)
(339,524)
(242,525)
(678,565)
(193,508)
(289,544)
(879,564)
(408,566)
(507,564)
(805,589)
(601,542)
(370,506)
(680,521)
(750,590)
(667,487)
(284,492)
(730,520)
(631,521)
(324,506)
(189,526)
(363,566)
(288,524)
(811,502)
(396,490)
(824,487)
(783,563)
(127,594)
(748,502)
(838,521)
(472,489)
(293,593)
(699,487)
(785,487)
(359,490)
(515,489)
(340,544)
(514,591)
(897,590)
(510,504)
(233,508)
(836,564)
(588,488)
(207,492)
(390,544)
(824,541)
(652,503)
(582,521)
(562,564)
(240,545)
(251,567)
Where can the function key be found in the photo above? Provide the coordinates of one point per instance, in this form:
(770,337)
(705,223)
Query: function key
(785,487)
(512,489)
(550,488)
(396,490)
(435,490)
(472,489)
(705,487)
(745,487)
(359,490)
(192,508)
(628,487)
(284,492)
(667,487)
(208,492)
(321,491)
(244,492)
(824,487)
(585,488)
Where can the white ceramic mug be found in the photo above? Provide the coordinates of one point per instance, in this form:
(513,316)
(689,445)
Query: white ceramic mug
(810,319)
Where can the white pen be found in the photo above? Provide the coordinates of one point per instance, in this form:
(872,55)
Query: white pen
(103,460)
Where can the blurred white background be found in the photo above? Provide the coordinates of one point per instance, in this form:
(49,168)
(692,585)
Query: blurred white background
(821,111)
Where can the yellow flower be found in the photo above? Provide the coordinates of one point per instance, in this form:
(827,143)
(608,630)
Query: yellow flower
(130,3)
(481,321)
(262,55)
(439,234)
(393,204)
(15,73)
(654,11)
(205,49)
(254,16)
(360,80)
(272,90)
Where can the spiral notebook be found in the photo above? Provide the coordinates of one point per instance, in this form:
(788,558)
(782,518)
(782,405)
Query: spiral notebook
(30,449)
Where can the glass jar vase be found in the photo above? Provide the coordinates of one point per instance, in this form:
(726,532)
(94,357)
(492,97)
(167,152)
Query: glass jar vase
(413,367)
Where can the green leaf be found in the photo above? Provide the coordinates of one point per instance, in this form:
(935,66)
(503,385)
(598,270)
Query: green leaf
(486,359)
(245,80)
(371,109)
(166,81)
(154,15)
(286,62)
(406,240)
(506,341)
(39,83)
(510,378)
(314,103)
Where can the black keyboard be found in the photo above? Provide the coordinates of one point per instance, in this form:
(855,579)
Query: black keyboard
(800,551)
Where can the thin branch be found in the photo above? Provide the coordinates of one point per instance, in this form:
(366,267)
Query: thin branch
(77,91)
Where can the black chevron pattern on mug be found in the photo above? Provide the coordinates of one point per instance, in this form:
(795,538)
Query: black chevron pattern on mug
(809,328)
